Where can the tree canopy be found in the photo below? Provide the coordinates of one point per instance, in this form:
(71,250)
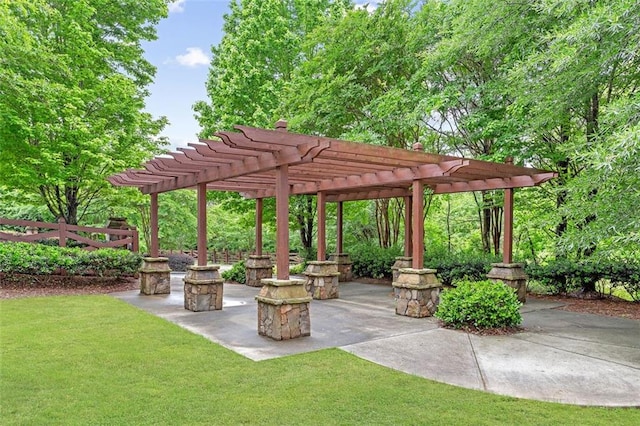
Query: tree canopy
(72,88)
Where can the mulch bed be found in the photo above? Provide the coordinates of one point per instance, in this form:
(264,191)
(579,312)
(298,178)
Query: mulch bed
(21,285)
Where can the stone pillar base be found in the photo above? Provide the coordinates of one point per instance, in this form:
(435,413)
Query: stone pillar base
(257,268)
(344,265)
(400,263)
(155,276)
(203,288)
(417,292)
(322,280)
(512,274)
(283,309)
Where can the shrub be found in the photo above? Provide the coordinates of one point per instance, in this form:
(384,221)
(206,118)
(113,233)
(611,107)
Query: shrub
(39,259)
(453,268)
(179,261)
(373,261)
(480,304)
(237,273)
(297,269)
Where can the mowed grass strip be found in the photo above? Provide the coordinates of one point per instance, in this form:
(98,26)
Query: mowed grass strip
(96,360)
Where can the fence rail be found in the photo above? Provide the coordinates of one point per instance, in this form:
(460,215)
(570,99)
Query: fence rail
(127,238)
(229,256)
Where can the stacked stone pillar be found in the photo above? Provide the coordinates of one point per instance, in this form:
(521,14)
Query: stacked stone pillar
(155,276)
(344,266)
(417,292)
(400,263)
(203,288)
(257,268)
(322,280)
(283,309)
(513,275)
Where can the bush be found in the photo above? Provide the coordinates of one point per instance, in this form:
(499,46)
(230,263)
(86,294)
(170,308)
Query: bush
(480,304)
(38,259)
(453,268)
(237,273)
(565,276)
(178,261)
(373,261)
(297,269)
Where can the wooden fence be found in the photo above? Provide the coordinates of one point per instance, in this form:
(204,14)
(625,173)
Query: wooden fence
(127,238)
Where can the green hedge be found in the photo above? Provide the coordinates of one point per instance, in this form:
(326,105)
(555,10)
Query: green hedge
(373,261)
(564,276)
(237,273)
(39,259)
(481,304)
(453,268)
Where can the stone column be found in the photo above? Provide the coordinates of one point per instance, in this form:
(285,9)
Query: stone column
(283,309)
(400,263)
(512,274)
(344,265)
(257,268)
(417,292)
(155,276)
(203,288)
(322,280)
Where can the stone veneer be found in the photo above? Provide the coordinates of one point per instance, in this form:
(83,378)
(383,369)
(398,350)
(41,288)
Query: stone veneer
(417,292)
(155,276)
(257,268)
(322,280)
(283,309)
(400,263)
(344,265)
(203,288)
(513,275)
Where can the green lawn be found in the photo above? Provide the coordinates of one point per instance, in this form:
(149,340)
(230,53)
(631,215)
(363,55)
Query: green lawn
(96,360)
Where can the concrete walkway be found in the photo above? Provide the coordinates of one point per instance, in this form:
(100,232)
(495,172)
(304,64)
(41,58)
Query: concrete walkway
(561,356)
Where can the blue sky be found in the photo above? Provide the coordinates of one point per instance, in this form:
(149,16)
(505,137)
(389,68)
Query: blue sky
(181,55)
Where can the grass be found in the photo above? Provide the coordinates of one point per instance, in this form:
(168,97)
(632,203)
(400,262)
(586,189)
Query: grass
(96,360)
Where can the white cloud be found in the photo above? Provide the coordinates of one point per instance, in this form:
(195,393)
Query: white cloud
(193,58)
(369,6)
(177,6)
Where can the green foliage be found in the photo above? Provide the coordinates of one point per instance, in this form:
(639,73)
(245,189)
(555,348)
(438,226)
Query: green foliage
(73,83)
(179,261)
(39,259)
(453,268)
(371,260)
(237,273)
(297,269)
(565,276)
(480,304)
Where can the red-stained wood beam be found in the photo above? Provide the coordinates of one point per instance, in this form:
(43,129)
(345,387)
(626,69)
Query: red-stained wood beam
(407,226)
(370,194)
(154,250)
(496,183)
(417,254)
(507,245)
(202,224)
(322,223)
(339,228)
(259,208)
(282,222)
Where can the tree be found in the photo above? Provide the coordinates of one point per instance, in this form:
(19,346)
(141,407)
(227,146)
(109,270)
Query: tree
(72,88)
(261,47)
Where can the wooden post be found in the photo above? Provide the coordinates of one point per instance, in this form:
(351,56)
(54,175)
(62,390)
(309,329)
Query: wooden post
(507,246)
(154,250)
(322,219)
(62,231)
(418,225)
(282,222)
(407,226)
(135,240)
(339,248)
(202,224)
(259,206)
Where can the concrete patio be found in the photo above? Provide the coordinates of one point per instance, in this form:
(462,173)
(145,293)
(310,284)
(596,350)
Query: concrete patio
(561,356)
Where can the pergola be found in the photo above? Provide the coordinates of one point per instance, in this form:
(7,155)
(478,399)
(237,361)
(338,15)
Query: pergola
(261,163)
